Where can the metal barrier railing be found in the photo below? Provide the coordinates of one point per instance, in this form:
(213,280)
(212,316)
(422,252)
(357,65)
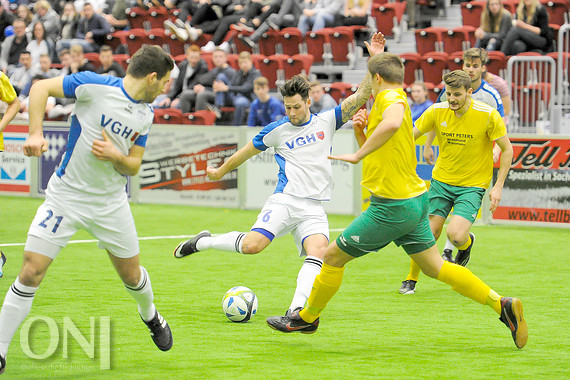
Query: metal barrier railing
(533,80)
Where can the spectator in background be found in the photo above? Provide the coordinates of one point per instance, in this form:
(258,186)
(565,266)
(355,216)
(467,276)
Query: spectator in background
(190,69)
(496,22)
(48,17)
(319,14)
(420,100)
(204,92)
(45,68)
(530,30)
(13,46)
(91,32)
(25,101)
(39,45)
(23,73)
(266,108)
(69,21)
(65,60)
(24,13)
(6,19)
(238,90)
(78,62)
(320,100)
(355,12)
(173,77)
(108,65)
(117,17)
(288,15)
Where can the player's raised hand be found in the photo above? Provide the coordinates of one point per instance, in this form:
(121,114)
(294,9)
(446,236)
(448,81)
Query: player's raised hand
(104,150)
(350,158)
(376,45)
(359,120)
(428,155)
(35,146)
(213,174)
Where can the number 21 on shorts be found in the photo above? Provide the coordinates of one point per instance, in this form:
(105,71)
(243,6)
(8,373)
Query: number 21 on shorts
(49,220)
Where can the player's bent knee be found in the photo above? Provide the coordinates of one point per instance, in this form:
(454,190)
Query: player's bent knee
(251,248)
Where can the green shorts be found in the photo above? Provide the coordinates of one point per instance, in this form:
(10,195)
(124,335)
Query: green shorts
(402,221)
(466,201)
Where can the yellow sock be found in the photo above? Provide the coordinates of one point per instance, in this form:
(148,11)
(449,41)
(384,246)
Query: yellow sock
(463,281)
(414,271)
(324,288)
(464,246)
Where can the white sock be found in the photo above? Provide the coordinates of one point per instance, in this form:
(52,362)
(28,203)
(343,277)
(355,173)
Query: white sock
(15,309)
(142,293)
(449,245)
(231,242)
(305,279)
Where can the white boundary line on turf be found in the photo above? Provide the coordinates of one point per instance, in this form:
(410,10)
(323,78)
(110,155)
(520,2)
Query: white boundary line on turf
(140,238)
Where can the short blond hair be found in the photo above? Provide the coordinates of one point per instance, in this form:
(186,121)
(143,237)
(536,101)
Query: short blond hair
(457,79)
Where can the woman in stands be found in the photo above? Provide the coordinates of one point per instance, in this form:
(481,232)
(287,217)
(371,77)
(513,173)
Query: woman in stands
(496,22)
(530,31)
(40,45)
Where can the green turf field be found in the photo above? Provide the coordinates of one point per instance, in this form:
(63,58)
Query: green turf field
(367,331)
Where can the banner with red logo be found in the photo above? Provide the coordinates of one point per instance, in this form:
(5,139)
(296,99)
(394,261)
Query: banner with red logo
(537,188)
(14,166)
(174,166)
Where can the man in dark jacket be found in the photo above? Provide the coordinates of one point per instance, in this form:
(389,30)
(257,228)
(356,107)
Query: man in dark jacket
(13,46)
(91,32)
(237,91)
(190,69)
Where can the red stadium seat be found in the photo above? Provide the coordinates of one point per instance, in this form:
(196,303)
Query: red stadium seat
(117,40)
(239,44)
(455,61)
(136,17)
(412,67)
(317,42)
(496,62)
(268,43)
(458,39)
(135,40)
(531,103)
(291,41)
(272,68)
(510,5)
(156,17)
(297,64)
(122,59)
(471,12)
(340,90)
(157,37)
(201,117)
(388,16)
(433,66)
(429,39)
(175,46)
(93,58)
(557,11)
(233,61)
(342,44)
(167,116)
(434,90)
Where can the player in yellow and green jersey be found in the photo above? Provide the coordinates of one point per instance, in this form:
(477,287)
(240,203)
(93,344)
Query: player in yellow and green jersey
(398,210)
(8,96)
(466,130)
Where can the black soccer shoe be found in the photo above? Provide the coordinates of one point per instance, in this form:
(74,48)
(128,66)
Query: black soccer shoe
(3,260)
(188,247)
(464,255)
(408,287)
(447,255)
(160,332)
(2,364)
(292,323)
(512,316)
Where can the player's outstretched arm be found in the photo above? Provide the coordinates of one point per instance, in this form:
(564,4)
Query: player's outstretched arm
(105,150)
(505,165)
(35,145)
(10,113)
(391,122)
(352,104)
(235,160)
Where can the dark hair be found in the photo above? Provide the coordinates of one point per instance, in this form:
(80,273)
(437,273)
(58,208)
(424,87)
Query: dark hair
(105,48)
(296,85)
(38,77)
(150,59)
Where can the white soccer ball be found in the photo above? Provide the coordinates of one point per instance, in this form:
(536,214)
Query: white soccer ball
(239,304)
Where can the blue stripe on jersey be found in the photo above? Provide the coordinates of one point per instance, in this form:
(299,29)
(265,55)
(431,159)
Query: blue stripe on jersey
(264,232)
(258,139)
(485,86)
(141,140)
(338,115)
(71,82)
(74,133)
(281,175)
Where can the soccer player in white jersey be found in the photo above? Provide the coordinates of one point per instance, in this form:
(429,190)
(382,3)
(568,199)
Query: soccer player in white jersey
(302,143)
(107,137)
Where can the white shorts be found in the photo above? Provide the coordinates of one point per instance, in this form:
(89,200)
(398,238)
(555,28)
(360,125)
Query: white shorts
(62,214)
(283,214)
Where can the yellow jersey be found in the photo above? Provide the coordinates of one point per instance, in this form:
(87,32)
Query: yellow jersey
(7,94)
(465,143)
(390,171)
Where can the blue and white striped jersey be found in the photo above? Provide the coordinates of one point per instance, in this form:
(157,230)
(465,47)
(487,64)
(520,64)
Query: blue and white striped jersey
(301,153)
(101,103)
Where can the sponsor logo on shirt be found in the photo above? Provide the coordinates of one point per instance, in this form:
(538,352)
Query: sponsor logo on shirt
(118,128)
(311,138)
